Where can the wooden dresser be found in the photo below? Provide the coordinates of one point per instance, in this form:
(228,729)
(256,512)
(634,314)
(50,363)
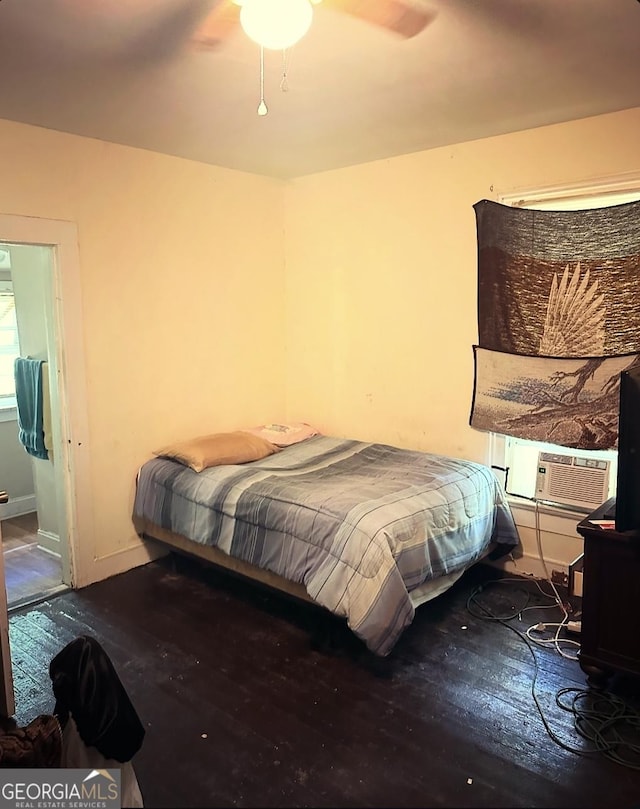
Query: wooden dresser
(610,632)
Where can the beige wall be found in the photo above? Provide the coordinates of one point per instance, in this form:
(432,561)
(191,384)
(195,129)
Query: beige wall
(381,275)
(182,297)
(16,472)
(187,328)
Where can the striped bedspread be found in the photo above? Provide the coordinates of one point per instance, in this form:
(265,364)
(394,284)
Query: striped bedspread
(358,524)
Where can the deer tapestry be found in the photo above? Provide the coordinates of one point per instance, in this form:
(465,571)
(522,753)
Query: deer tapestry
(558,320)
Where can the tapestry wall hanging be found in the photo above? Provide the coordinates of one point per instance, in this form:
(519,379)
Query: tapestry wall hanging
(558,319)
(570,402)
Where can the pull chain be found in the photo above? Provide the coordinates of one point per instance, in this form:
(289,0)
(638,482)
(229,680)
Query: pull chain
(262,107)
(284,81)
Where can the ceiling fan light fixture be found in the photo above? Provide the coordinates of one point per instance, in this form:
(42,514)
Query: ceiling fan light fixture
(276,24)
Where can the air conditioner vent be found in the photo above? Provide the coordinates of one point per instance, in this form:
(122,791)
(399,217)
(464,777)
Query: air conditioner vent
(573,481)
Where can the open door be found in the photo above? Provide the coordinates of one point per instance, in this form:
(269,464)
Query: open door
(7,702)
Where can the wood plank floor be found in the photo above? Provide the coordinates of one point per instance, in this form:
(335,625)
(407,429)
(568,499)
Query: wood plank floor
(30,572)
(241,710)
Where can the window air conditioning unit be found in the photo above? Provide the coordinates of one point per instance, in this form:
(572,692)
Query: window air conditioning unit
(572,481)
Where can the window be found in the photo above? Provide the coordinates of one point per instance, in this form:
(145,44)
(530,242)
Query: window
(520,457)
(9,345)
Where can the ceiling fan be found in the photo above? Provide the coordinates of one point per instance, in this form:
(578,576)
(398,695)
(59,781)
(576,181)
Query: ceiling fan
(279,24)
(403,18)
(150,31)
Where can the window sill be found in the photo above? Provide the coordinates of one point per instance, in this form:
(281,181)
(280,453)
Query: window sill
(8,414)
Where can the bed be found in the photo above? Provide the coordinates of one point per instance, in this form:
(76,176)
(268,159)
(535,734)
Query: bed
(366,530)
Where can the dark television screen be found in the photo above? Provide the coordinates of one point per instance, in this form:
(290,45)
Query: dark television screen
(628,486)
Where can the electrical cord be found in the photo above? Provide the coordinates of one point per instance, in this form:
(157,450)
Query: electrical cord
(600,718)
(554,641)
(557,641)
(488,615)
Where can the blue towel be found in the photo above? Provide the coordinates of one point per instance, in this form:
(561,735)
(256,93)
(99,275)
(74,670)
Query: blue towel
(28,377)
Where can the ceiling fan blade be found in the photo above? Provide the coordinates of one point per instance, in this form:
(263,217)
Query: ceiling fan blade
(218,25)
(400,16)
(138,31)
(170,32)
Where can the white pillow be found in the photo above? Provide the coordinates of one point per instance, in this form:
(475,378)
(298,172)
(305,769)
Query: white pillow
(283,435)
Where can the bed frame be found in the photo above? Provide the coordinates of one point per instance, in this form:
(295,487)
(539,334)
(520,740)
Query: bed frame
(149,531)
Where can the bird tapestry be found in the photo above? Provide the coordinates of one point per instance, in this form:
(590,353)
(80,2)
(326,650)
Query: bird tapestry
(558,320)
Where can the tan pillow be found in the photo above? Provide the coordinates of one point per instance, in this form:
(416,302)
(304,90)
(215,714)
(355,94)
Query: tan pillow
(218,449)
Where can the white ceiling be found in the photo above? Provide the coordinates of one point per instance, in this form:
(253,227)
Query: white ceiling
(357,93)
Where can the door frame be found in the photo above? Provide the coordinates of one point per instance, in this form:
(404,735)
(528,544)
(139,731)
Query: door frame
(7,698)
(70,430)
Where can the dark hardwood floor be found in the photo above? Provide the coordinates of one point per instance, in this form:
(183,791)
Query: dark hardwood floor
(241,710)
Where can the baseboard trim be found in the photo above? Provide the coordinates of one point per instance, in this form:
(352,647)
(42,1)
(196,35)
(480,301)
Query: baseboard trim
(49,542)
(17,506)
(112,564)
(527,565)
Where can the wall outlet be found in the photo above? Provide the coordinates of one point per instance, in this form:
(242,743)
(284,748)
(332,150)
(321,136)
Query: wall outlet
(560,578)
(577,584)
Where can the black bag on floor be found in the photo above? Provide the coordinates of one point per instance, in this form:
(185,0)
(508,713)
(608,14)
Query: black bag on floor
(86,685)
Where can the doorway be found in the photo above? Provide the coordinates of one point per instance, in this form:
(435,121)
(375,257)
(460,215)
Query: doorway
(69,429)
(33,550)
(57,277)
